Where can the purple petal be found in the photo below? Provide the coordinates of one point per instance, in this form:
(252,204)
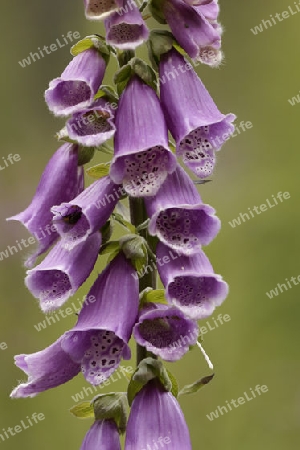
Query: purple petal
(191,284)
(75,89)
(103,435)
(62,272)
(192,117)
(179,218)
(99,9)
(99,339)
(87,213)
(142,158)
(165,331)
(92,126)
(46,369)
(193,30)
(126,29)
(156,420)
(62,180)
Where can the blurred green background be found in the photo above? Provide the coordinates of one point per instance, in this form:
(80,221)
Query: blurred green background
(260,344)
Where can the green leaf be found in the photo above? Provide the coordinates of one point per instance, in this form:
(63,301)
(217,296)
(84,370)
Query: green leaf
(192,388)
(96,41)
(107,91)
(84,410)
(118,218)
(98,171)
(154,296)
(110,247)
(112,256)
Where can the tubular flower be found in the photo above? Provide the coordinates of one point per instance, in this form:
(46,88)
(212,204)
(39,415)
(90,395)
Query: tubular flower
(157,416)
(75,89)
(99,9)
(103,435)
(87,213)
(62,272)
(62,180)
(191,284)
(126,29)
(165,331)
(179,218)
(93,125)
(99,339)
(194,30)
(191,114)
(46,369)
(142,158)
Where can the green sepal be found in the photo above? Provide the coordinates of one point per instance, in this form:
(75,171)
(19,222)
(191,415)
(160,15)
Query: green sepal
(155,8)
(135,249)
(98,171)
(85,155)
(192,388)
(136,66)
(147,370)
(84,410)
(159,43)
(120,219)
(153,296)
(96,41)
(111,406)
(122,77)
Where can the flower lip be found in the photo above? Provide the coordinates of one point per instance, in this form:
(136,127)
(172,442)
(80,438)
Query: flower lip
(166,332)
(185,228)
(197,295)
(126,29)
(62,272)
(75,89)
(98,351)
(93,125)
(144,172)
(99,9)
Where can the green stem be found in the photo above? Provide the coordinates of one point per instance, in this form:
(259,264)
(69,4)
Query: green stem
(138,216)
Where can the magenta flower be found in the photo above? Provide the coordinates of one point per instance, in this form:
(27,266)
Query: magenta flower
(156,420)
(126,29)
(46,369)
(142,157)
(179,218)
(75,89)
(62,180)
(99,9)
(87,213)
(93,125)
(62,272)
(100,338)
(195,31)
(191,284)
(103,435)
(165,331)
(192,117)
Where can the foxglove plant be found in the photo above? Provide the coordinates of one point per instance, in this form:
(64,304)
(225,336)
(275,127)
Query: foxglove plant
(166,223)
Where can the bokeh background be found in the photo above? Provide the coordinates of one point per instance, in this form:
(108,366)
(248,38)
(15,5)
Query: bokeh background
(260,344)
